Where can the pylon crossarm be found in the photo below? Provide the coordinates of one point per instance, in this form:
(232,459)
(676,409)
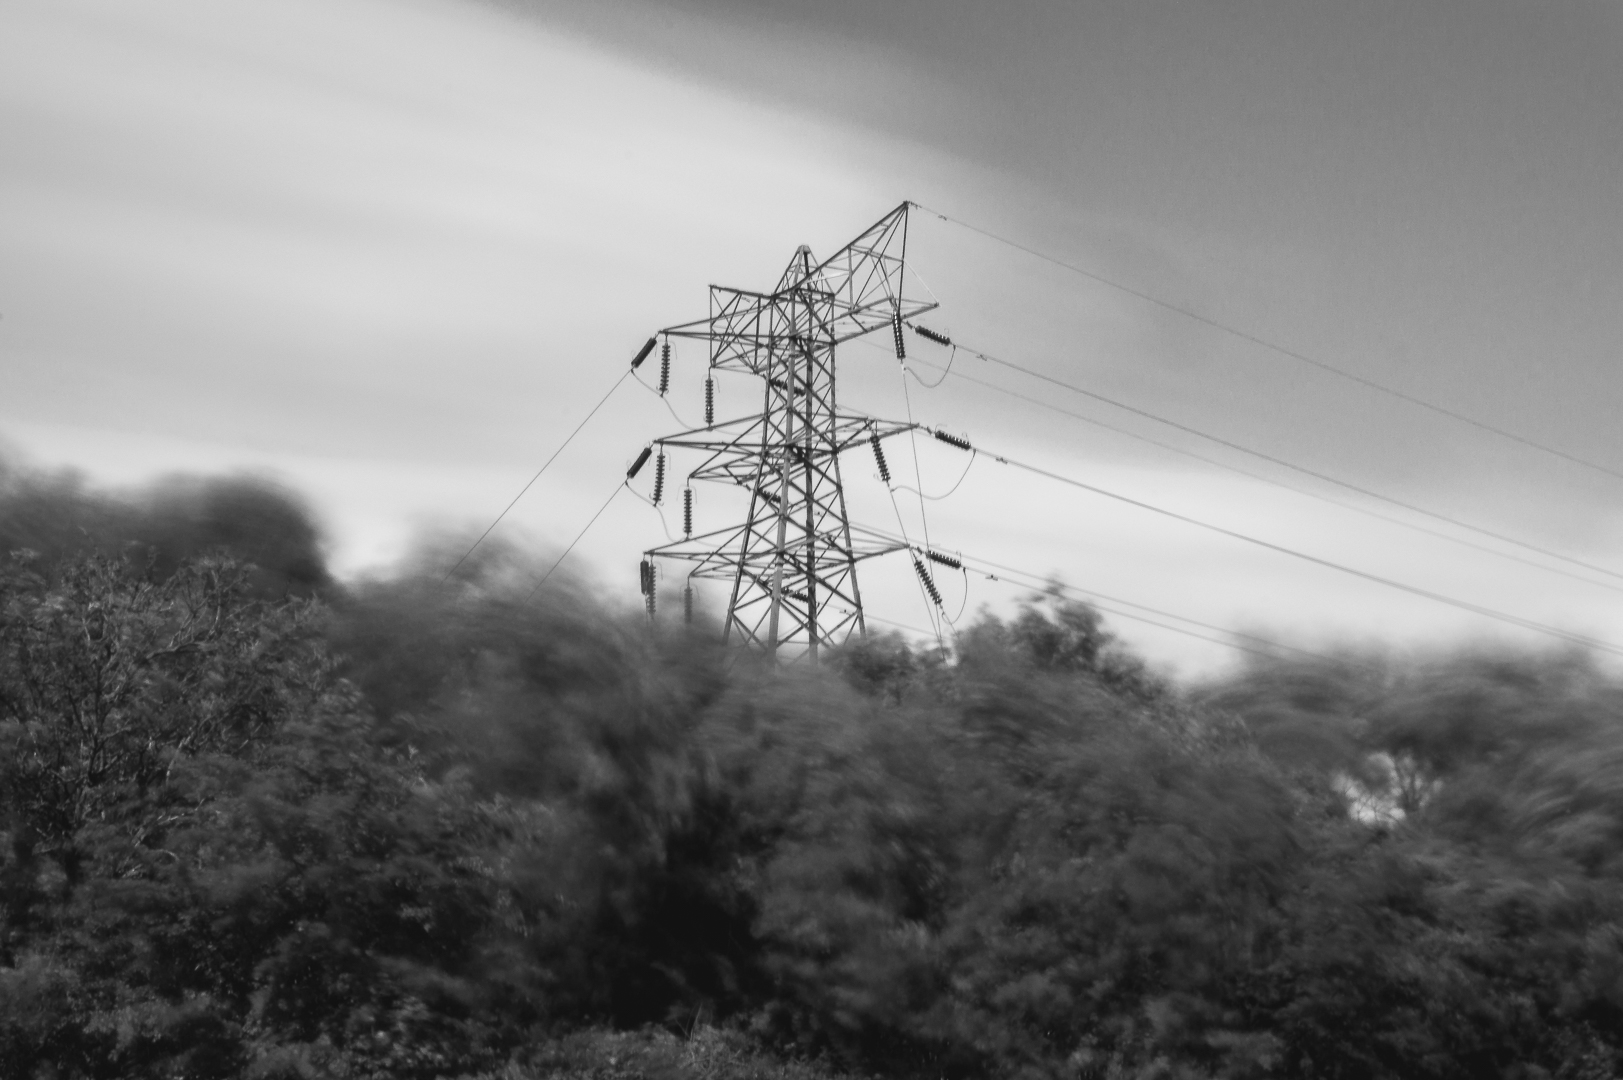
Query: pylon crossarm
(739,441)
(737,339)
(705,550)
(855,291)
(733,449)
(876,538)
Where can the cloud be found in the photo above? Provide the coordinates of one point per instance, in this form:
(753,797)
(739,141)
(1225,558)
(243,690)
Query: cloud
(394,251)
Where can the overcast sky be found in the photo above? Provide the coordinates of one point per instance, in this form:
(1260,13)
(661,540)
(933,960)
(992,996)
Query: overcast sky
(392,251)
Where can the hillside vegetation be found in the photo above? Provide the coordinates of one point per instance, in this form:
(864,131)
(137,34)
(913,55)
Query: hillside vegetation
(257,824)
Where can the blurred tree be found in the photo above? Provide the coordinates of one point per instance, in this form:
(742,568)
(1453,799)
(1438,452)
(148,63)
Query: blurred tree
(220,857)
(253,520)
(250,519)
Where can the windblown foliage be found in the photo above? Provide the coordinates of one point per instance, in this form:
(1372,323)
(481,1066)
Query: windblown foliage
(417,829)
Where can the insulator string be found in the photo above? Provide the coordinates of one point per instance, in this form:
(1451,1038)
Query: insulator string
(879,458)
(929,583)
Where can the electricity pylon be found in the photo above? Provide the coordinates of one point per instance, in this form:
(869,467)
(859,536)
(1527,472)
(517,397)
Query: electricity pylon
(793,559)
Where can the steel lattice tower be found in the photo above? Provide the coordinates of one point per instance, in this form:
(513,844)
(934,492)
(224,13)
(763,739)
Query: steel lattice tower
(792,561)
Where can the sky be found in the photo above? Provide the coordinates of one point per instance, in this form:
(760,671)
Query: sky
(391,252)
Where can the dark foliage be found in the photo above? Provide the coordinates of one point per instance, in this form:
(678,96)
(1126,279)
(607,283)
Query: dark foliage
(417,829)
(253,520)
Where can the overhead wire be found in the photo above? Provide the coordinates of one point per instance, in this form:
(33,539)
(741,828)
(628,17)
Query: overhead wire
(929,609)
(1465,605)
(1442,598)
(912,435)
(950,491)
(946,371)
(665,400)
(890,491)
(1095,596)
(1195,634)
(898,625)
(1275,347)
(1038,582)
(663,524)
(868,616)
(963,605)
(1283,463)
(1344,504)
(918,476)
(545,465)
(664,395)
(621,486)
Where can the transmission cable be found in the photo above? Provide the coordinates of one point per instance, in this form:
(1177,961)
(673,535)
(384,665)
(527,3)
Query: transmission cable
(1282,463)
(570,438)
(1274,347)
(1197,635)
(1037,582)
(660,510)
(1094,596)
(945,371)
(924,594)
(918,478)
(1441,598)
(559,560)
(868,616)
(665,400)
(950,491)
(1345,505)
(913,439)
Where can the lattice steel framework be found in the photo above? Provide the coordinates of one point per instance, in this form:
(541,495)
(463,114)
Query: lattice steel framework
(792,561)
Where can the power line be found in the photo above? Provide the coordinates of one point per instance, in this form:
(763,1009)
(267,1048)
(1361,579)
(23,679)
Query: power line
(913,441)
(929,610)
(1190,633)
(1163,614)
(1036,581)
(950,491)
(1441,598)
(1276,483)
(1275,347)
(904,626)
(1282,463)
(570,438)
(559,560)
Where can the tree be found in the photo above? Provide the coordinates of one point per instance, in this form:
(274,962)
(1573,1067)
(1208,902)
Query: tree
(109,678)
(211,861)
